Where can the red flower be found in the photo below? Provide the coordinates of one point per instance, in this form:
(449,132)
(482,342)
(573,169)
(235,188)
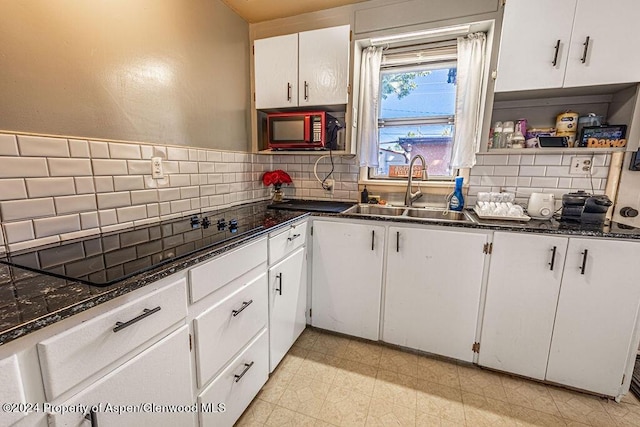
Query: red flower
(276,177)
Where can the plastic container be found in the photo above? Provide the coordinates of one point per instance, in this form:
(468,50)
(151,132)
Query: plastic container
(497,132)
(456,202)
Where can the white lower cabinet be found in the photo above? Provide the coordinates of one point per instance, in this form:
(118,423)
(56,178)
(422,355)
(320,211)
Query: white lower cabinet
(520,307)
(12,390)
(287,304)
(347,277)
(593,337)
(160,375)
(432,295)
(236,385)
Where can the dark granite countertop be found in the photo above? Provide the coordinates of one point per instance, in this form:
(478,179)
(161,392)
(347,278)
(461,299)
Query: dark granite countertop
(30,301)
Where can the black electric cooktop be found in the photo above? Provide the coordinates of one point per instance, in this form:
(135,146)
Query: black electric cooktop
(108,258)
(328,206)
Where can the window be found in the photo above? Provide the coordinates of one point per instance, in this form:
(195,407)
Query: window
(416,111)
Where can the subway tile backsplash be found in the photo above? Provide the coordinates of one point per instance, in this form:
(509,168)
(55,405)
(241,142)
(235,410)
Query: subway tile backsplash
(54,189)
(524,174)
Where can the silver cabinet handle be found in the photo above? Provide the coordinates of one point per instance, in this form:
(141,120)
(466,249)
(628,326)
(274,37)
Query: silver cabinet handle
(584,261)
(279,278)
(306,90)
(553,258)
(245,304)
(373,239)
(586,48)
(247,366)
(555,56)
(295,236)
(397,241)
(288,91)
(92,417)
(145,313)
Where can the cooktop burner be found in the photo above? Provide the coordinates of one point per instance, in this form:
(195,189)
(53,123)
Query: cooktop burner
(105,259)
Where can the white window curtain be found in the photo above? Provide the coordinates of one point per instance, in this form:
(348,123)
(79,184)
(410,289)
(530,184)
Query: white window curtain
(367,136)
(466,141)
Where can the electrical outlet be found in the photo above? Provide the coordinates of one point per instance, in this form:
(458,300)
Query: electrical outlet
(580,165)
(156,168)
(329,185)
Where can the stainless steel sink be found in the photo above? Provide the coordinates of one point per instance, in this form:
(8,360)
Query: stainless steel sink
(437,214)
(420,214)
(376,210)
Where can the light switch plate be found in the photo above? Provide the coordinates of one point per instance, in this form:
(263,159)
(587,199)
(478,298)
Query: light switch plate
(580,165)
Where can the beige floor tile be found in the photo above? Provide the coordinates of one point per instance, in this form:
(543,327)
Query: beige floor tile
(305,395)
(331,345)
(482,382)
(307,338)
(399,361)
(438,371)
(440,401)
(275,386)
(344,407)
(525,417)
(383,413)
(529,394)
(323,423)
(319,366)
(283,417)
(256,414)
(356,376)
(624,414)
(631,399)
(484,411)
(581,407)
(364,352)
(292,361)
(396,388)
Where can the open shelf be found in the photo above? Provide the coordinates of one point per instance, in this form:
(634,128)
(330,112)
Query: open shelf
(550,150)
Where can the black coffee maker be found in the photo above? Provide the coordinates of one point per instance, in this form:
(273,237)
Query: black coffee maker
(584,208)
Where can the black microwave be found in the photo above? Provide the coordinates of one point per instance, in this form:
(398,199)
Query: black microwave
(302,130)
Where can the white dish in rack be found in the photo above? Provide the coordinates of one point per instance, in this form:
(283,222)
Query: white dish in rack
(507,218)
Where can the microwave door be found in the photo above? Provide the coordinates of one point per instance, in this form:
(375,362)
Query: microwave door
(288,130)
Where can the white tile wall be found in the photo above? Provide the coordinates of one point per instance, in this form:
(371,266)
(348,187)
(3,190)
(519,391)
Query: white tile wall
(527,173)
(54,189)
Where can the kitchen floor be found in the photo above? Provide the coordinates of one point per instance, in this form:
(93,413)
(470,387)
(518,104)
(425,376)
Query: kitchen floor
(329,380)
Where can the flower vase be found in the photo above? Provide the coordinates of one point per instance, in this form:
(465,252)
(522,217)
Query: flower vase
(277,195)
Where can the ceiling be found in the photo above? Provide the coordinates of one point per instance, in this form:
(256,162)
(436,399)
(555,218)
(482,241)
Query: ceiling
(254,11)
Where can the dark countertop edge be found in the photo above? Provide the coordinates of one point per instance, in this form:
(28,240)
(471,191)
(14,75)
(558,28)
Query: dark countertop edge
(138,281)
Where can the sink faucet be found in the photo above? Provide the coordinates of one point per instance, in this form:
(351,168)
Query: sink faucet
(410,197)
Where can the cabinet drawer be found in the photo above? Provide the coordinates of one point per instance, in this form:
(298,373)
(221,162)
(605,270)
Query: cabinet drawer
(285,242)
(228,326)
(74,355)
(237,393)
(207,278)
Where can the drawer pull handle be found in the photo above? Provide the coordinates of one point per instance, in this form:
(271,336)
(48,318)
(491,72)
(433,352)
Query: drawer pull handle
(279,278)
(288,91)
(146,313)
(397,241)
(92,416)
(247,366)
(584,261)
(373,239)
(555,57)
(553,258)
(292,238)
(245,304)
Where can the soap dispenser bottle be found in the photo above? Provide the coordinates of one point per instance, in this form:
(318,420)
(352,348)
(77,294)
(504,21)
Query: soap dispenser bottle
(456,202)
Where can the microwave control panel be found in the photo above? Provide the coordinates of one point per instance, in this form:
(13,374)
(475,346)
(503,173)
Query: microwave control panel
(317,128)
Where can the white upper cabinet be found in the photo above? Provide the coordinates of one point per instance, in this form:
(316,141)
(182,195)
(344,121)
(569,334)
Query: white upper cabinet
(534,59)
(276,71)
(305,69)
(610,55)
(324,66)
(549,44)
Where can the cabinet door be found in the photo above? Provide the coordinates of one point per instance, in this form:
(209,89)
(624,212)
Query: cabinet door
(287,304)
(432,294)
(276,71)
(596,316)
(347,277)
(324,66)
(12,389)
(160,375)
(520,307)
(610,56)
(531,30)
